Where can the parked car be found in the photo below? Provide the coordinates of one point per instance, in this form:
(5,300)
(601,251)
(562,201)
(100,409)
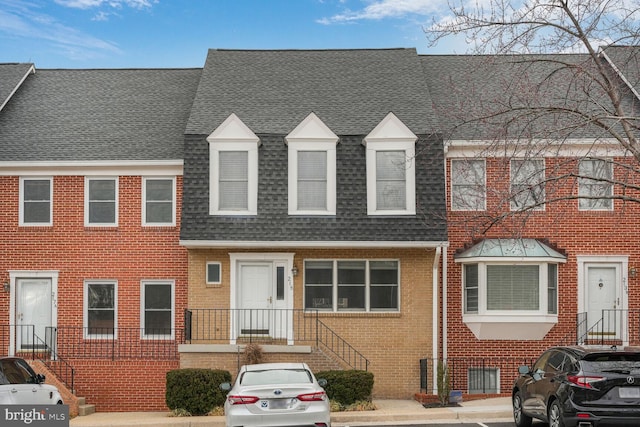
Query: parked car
(579,387)
(276,394)
(20,385)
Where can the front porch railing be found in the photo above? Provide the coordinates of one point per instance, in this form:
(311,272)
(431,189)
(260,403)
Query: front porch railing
(268,326)
(613,327)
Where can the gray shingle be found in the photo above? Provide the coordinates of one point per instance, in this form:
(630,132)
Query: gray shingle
(117,114)
(11,75)
(350,90)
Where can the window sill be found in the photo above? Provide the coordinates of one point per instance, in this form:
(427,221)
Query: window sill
(510,326)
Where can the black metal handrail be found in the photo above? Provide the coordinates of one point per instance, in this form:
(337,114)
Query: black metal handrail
(33,347)
(75,342)
(223,325)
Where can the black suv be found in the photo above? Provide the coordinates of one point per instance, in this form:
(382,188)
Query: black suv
(579,387)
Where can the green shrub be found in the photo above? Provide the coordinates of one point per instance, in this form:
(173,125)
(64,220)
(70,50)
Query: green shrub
(348,387)
(196,391)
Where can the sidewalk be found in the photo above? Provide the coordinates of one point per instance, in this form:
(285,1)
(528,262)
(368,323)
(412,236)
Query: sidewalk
(401,411)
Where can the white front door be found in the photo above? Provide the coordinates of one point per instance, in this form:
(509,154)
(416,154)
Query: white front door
(605,319)
(34,310)
(256,298)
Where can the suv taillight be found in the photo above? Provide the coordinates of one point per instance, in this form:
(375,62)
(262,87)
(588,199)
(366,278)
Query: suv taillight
(585,381)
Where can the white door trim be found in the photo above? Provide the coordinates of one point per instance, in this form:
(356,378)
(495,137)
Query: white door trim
(14,276)
(621,261)
(238,257)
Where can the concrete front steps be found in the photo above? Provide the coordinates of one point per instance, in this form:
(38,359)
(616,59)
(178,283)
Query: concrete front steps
(84,408)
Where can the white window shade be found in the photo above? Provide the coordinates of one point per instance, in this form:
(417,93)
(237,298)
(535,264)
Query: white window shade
(233,178)
(312,180)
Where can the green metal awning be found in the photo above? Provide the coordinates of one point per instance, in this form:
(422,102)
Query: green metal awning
(521,249)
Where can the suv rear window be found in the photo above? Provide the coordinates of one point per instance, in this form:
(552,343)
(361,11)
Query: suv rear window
(623,363)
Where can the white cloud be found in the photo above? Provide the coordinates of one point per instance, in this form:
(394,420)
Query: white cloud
(381,9)
(88,4)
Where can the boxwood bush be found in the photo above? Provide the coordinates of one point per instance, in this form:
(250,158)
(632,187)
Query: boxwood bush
(196,391)
(348,387)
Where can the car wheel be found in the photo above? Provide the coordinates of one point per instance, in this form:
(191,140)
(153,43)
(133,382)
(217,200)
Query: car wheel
(555,415)
(521,419)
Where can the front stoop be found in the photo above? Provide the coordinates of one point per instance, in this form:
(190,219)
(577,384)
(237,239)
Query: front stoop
(84,408)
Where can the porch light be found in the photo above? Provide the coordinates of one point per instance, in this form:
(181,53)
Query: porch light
(633,271)
(6,287)
(294,270)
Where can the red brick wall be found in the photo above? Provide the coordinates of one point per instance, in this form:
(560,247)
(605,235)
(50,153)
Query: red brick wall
(565,226)
(127,253)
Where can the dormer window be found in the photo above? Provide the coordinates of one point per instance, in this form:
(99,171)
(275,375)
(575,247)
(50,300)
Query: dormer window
(233,154)
(391,177)
(312,168)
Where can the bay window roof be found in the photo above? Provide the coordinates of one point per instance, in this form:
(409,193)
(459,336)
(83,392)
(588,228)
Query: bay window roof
(510,249)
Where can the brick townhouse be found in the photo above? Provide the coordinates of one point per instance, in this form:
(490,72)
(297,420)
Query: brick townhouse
(564,269)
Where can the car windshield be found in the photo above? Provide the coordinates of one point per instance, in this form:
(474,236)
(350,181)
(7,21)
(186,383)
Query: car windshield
(276,376)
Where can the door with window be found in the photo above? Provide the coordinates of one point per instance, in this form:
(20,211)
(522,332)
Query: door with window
(262,299)
(34,312)
(605,318)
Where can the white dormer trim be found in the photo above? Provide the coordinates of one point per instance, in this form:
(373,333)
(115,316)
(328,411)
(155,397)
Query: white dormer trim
(312,135)
(391,134)
(233,135)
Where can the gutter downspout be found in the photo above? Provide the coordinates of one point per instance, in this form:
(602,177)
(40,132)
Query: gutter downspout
(435,312)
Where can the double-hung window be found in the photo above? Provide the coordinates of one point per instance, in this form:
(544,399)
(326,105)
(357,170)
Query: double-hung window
(312,168)
(233,154)
(101,201)
(158,201)
(527,184)
(158,309)
(352,285)
(36,201)
(100,300)
(468,191)
(595,186)
(391,171)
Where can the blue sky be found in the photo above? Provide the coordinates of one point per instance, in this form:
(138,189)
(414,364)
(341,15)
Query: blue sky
(177,33)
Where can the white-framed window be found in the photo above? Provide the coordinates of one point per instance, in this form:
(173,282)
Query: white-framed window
(527,184)
(214,273)
(100,308)
(468,185)
(101,201)
(503,288)
(352,285)
(391,175)
(595,186)
(159,201)
(36,201)
(157,308)
(312,168)
(482,380)
(233,168)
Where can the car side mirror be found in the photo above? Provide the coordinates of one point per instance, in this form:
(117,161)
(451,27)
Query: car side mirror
(40,378)
(322,382)
(225,386)
(524,370)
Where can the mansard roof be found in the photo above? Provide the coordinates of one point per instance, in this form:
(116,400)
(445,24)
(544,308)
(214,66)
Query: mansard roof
(351,91)
(98,115)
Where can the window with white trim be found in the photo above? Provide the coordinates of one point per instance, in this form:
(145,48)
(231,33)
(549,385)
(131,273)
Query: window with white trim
(527,184)
(214,273)
(233,166)
(101,201)
(391,174)
(352,285)
(491,287)
(595,186)
(36,201)
(468,185)
(101,308)
(158,308)
(312,168)
(158,201)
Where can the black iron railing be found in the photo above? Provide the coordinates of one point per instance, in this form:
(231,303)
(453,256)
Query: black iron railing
(613,327)
(116,343)
(265,326)
(27,344)
(473,375)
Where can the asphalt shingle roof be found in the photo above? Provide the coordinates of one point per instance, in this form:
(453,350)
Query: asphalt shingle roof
(11,75)
(351,91)
(98,115)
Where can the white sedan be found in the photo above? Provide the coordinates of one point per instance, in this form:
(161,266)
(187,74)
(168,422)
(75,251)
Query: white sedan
(20,385)
(276,394)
